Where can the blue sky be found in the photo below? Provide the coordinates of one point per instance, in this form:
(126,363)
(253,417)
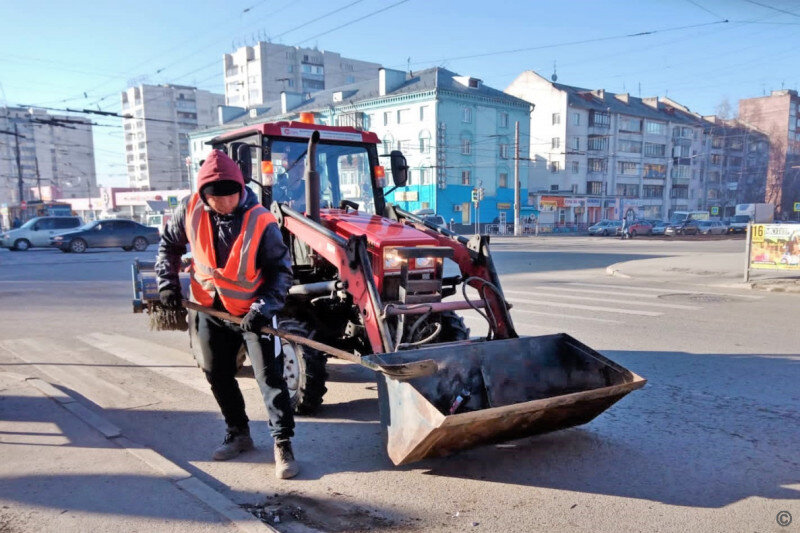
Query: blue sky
(53,51)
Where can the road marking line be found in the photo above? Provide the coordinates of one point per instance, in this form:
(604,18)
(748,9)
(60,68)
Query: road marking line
(139,352)
(547,303)
(562,315)
(50,390)
(609,300)
(662,291)
(590,291)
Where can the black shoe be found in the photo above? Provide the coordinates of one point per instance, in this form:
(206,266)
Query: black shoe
(285,464)
(235,443)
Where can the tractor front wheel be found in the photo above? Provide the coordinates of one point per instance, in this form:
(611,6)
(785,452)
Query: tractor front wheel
(303,369)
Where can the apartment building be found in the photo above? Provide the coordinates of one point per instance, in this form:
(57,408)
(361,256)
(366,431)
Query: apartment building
(597,154)
(55,154)
(778,116)
(735,162)
(258,74)
(456,133)
(156,141)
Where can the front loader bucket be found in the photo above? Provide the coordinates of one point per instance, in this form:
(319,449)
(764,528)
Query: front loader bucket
(497,390)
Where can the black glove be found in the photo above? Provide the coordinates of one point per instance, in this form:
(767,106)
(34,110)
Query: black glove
(170,298)
(253,321)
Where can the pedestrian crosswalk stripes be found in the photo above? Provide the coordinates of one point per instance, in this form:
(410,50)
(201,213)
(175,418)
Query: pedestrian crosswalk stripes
(551,303)
(670,290)
(540,294)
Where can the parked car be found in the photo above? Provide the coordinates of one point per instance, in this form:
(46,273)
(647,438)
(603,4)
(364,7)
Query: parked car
(37,232)
(687,227)
(605,227)
(127,234)
(430,216)
(712,227)
(738,223)
(658,227)
(639,227)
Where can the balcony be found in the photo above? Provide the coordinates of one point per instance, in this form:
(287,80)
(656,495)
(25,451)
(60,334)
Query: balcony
(680,181)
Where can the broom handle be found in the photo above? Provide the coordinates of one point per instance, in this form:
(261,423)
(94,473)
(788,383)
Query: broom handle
(336,352)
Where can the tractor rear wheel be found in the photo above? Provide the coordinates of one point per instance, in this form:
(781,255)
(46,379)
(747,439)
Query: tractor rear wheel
(303,369)
(453,328)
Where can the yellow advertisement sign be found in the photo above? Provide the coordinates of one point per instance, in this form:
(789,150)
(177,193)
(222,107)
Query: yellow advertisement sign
(775,246)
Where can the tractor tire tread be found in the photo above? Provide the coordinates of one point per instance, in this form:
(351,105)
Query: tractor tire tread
(311,389)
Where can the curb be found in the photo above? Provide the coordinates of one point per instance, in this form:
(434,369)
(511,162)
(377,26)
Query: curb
(178,476)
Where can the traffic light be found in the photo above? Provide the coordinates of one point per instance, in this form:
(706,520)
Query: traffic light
(475,195)
(480,194)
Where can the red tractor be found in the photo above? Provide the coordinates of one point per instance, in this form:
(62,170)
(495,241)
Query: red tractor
(370,285)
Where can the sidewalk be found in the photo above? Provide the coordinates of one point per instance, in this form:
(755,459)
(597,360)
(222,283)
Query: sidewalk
(65,468)
(718,269)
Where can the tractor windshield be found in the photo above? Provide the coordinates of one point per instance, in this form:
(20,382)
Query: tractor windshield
(344,174)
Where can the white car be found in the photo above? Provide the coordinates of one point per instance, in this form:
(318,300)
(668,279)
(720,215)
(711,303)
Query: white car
(37,232)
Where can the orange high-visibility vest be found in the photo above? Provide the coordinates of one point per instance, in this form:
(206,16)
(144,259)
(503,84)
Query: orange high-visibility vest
(236,283)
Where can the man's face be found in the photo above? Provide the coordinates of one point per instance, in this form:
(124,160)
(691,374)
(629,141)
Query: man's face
(224,205)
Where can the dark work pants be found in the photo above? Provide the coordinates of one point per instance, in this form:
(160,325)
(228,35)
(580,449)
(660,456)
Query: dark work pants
(220,341)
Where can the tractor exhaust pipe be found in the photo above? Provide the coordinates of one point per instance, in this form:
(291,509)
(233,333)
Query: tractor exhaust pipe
(311,176)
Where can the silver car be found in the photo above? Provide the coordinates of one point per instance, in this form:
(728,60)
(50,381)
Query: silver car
(605,227)
(712,227)
(37,232)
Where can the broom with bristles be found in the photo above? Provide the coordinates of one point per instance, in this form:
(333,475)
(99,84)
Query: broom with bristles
(167,319)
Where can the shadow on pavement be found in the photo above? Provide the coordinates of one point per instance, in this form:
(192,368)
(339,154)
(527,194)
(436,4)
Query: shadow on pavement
(681,440)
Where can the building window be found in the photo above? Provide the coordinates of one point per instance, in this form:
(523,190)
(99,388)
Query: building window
(655,171)
(422,110)
(679,192)
(466,115)
(576,119)
(683,132)
(386,118)
(655,150)
(627,190)
(387,144)
(717,142)
(424,142)
(555,166)
(633,147)
(402,115)
(503,119)
(594,187)
(425,176)
(555,142)
(656,128)
(599,119)
(466,146)
(556,118)
(350,79)
(576,167)
(628,168)
(597,142)
(597,165)
(554,188)
(575,143)
(630,124)
(681,171)
(465,177)
(503,151)
(652,191)
(502,180)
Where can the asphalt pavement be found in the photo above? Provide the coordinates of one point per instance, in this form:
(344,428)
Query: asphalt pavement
(708,445)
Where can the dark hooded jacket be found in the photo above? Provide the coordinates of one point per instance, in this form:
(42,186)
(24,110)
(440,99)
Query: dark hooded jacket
(273,256)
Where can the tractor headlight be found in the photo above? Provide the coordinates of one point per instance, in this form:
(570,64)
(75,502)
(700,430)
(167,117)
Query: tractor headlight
(425,262)
(391,259)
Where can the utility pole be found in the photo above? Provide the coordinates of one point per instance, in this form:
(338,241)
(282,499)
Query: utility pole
(20,184)
(517,225)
